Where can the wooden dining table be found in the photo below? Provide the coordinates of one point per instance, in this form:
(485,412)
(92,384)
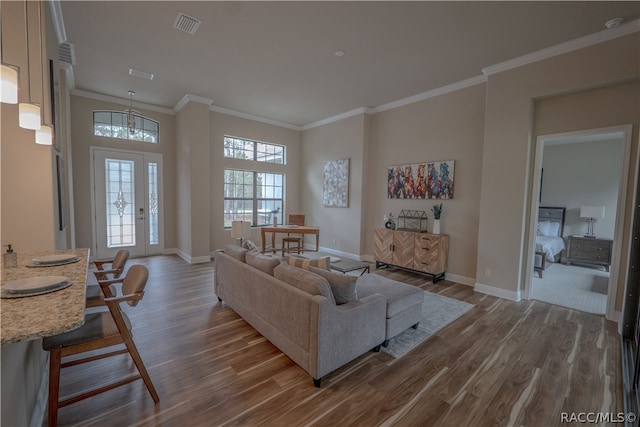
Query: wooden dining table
(288,229)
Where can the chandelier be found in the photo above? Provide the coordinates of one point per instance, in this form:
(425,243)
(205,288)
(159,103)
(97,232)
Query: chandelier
(131,119)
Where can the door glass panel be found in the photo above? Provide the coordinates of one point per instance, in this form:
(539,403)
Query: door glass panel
(120,196)
(153,203)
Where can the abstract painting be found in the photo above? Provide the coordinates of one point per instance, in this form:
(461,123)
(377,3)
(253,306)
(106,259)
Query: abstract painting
(335,183)
(429,180)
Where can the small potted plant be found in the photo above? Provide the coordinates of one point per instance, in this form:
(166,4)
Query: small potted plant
(437,211)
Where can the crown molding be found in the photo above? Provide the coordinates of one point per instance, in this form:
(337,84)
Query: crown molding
(357,111)
(58,21)
(247,116)
(121,101)
(191,98)
(430,94)
(562,48)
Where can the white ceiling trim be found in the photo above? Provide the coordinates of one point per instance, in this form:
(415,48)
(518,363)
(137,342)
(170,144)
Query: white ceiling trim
(357,111)
(121,101)
(430,94)
(191,98)
(248,116)
(61,36)
(562,48)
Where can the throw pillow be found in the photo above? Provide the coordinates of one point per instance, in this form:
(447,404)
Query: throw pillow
(262,262)
(343,286)
(304,280)
(235,251)
(250,246)
(306,262)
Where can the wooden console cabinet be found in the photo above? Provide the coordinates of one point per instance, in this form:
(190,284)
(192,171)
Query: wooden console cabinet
(587,250)
(422,253)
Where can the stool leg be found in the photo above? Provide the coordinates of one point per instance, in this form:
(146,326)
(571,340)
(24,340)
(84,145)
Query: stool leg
(55,359)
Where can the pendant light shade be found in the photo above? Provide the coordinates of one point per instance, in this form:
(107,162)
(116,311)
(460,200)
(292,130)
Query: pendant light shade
(9,88)
(29,116)
(44,135)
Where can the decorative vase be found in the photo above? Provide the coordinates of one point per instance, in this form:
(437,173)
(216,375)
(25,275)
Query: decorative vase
(436,226)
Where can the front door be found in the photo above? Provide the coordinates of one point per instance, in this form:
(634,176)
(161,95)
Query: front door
(127,196)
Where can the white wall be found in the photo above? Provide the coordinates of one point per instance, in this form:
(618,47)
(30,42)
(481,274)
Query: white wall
(583,174)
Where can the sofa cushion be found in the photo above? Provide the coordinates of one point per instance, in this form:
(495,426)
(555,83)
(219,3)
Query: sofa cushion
(250,246)
(304,280)
(400,296)
(343,286)
(235,251)
(305,263)
(262,262)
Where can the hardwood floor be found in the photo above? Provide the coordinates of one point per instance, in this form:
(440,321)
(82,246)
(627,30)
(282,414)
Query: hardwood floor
(503,363)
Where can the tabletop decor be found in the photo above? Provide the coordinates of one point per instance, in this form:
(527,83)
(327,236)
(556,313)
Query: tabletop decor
(437,211)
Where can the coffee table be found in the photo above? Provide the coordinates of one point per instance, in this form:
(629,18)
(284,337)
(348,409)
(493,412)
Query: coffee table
(347,265)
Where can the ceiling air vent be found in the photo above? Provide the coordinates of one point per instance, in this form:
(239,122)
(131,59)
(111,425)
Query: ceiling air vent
(186,23)
(67,53)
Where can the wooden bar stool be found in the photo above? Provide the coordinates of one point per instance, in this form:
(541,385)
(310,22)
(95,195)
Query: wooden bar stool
(101,330)
(95,293)
(298,239)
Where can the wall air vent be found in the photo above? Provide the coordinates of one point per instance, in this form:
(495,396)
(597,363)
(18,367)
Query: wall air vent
(67,53)
(186,23)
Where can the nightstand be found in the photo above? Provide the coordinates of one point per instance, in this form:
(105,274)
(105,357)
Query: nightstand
(587,250)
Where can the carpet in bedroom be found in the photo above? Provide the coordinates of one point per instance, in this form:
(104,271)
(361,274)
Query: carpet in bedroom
(572,286)
(437,312)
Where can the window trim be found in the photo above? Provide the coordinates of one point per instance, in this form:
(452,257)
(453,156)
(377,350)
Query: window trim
(254,200)
(255,150)
(144,121)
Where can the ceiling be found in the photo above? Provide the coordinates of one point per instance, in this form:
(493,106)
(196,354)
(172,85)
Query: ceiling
(277,60)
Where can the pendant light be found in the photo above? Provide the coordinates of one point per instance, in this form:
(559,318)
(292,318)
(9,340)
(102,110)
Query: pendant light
(9,88)
(131,120)
(29,113)
(44,135)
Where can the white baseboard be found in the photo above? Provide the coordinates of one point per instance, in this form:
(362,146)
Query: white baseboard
(335,252)
(469,281)
(497,292)
(188,258)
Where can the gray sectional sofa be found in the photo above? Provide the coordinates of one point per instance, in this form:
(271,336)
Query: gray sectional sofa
(296,310)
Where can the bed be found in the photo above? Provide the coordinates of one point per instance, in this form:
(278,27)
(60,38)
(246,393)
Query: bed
(549,240)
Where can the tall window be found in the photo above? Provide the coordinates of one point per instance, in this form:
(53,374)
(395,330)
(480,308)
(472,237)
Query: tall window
(252,196)
(113,124)
(238,148)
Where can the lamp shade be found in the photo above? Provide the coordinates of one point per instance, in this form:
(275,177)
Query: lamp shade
(592,212)
(9,87)
(44,135)
(29,116)
(240,229)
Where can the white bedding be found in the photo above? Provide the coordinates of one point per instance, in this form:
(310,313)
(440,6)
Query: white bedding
(550,245)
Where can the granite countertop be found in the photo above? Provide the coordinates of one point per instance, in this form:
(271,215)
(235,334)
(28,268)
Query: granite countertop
(28,318)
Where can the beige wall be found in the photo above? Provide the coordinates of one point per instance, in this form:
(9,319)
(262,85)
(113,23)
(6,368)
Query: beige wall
(82,136)
(613,105)
(583,174)
(507,155)
(341,229)
(447,127)
(28,199)
(223,124)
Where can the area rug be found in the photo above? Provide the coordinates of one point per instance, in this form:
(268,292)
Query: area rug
(437,312)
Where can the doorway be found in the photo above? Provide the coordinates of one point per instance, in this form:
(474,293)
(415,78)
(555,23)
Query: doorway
(602,282)
(126,202)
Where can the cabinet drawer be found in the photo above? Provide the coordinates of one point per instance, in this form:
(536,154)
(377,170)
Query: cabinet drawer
(590,255)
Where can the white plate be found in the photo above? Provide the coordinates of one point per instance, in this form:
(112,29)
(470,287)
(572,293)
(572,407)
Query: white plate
(53,259)
(33,284)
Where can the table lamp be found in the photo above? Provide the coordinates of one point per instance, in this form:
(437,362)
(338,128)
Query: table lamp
(240,230)
(591,213)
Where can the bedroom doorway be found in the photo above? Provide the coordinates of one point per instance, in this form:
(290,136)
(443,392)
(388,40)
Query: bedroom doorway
(582,170)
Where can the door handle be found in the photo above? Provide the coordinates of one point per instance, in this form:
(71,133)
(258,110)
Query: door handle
(141,217)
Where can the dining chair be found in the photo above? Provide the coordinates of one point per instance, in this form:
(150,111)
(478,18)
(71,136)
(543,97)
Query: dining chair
(100,331)
(298,239)
(95,293)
